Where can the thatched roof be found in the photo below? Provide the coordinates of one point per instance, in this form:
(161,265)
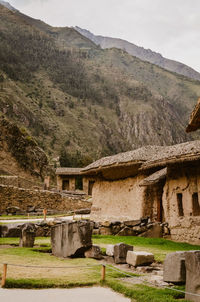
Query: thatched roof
(68,171)
(194,122)
(184,152)
(134,157)
(154,178)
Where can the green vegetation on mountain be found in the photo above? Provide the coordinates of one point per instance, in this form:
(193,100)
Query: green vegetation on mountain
(81,102)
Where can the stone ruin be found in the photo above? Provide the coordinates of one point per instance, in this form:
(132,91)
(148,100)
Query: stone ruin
(71,238)
(27,235)
(184,268)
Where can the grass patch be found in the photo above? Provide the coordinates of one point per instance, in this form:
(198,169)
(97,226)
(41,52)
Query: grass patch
(143,293)
(41,241)
(158,246)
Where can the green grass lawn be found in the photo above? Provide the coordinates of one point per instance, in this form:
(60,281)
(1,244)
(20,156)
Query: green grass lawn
(83,271)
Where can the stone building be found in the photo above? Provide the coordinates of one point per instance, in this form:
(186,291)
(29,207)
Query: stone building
(162,183)
(71,179)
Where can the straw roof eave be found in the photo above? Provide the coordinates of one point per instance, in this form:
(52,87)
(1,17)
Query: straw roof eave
(194,122)
(169,161)
(100,169)
(154,178)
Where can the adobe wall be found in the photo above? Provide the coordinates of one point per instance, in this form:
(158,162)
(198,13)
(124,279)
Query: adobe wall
(118,200)
(184,181)
(22,198)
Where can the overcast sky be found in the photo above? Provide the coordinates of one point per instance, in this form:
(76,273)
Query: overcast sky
(170,27)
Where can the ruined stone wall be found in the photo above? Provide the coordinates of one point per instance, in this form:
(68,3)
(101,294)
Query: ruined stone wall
(22,198)
(118,200)
(20,182)
(182,184)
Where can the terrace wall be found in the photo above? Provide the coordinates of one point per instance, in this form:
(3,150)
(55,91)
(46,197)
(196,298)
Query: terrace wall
(22,198)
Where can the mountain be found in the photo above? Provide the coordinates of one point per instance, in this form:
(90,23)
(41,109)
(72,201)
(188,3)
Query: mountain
(19,153)
(82,102)
(141,53)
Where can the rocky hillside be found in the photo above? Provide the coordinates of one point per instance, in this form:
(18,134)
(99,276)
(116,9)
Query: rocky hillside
(19,153)
(83,102)
(141,53)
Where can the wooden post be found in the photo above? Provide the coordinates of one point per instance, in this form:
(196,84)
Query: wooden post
(103,272)
(3,280)
(45,214)
(28,215)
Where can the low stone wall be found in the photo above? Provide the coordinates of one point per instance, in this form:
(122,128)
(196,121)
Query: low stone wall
(24,199)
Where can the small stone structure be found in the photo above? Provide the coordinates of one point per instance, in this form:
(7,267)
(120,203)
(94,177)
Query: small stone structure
(71,238)
(120,252)
(192,261)
(139,258)
(110,250)
(94,252)
(71,179)
(174,268)
(27,236)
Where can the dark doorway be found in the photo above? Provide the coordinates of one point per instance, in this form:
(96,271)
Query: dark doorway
(79,183)
(159,210)
(65,184)
(195,204)
(90,186)
(180,204)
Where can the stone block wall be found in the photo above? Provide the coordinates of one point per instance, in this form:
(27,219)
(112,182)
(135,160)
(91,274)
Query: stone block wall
(24,198)
(187,230)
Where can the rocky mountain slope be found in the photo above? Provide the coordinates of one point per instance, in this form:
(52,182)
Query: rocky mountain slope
(83,102)
(141,53)
(19,153)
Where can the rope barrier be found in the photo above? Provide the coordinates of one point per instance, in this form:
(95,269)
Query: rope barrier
(52,267)
(104,266)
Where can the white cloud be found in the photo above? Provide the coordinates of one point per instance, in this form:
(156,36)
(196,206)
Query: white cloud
(171,27)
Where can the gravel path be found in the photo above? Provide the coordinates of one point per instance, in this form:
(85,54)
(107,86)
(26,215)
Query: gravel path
(40,219)
(96,294)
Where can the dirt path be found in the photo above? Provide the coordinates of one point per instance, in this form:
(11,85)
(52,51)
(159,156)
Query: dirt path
(96,294)
(40,219)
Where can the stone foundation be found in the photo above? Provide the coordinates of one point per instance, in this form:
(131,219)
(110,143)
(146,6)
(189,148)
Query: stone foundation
(23,198)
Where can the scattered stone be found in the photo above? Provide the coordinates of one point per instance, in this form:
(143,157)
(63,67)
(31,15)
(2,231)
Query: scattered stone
(96,232)
(94,252)
(174,268)
(72,238)
(126,232)
(154,232)
(110,250)
(192,262)
(10,230)
(132,223)
(120,252)
(139,258)
(105,230)
(83,211)
(27,237)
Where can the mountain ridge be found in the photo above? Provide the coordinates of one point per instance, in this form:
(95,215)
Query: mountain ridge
(142,53)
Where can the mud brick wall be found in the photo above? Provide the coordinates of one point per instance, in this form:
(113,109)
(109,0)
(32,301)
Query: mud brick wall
(23,198)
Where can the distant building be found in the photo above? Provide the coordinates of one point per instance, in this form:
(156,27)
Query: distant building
(71,180)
